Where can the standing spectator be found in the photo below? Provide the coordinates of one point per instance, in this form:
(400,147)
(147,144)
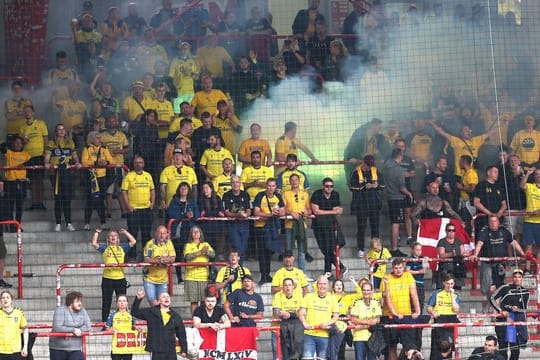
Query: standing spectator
(59,77)
(15,109)
(432,206)
(254,177)
(183,208)
(352,25)
(244,305)
(259,30)
(443,178)
(16,182)
(117,143)
(283,177)
(398,195)
(319,309)
(222,182)
(95,155)
(196,250)
(464,144)
(443,306)
(488,351)
(159,252)
(35,135)
(246,85)
(254,143)
(149,51)
(451,247)
(293,57)
(210,315)
(213,58)
(13,346)
(60,153)
(303,26)
(196,22)
(115,28)
(400,306)
(132,108)
(365,313)
(72,111)
(366,184)
(326,206)
(489,198)
(184,70)
(289,271)
(135,23)
(165,112)
(3,253)
(418,270)
(139,196)
(409,171)
(493,241)
(420,144)
(366,140)
(287,144)
(199,140)
(70,318)
(229,278)
(297,206)
(228,123)
(511,302)
(531,224)
(105,94)
(377,252)
(206,100)
(166,24)
(231,35)
(526,143)
(114,278)
(466,185)
(210,205)
(172,176)
(120,320)
(268,206)
(184,132)
(165,326)
(237,205)
(146,141)
(212,158)
(285,306)
(335,67)
(510,176)
(318,47)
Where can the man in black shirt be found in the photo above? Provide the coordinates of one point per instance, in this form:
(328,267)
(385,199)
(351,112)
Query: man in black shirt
(492,242)
(489,198)
(237,205)
(488,351)
(210,315)
(511,301)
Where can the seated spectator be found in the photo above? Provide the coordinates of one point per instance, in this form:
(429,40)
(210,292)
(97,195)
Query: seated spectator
(196,277)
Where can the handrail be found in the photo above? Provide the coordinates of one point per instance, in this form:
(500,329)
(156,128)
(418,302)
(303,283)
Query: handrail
(19,255)
(62,267)
(70,167)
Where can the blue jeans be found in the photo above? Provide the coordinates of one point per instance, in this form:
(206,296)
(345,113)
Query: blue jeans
(65,355)
(239,235)
(315,345)
(362,352)
(154,290)
(301,258)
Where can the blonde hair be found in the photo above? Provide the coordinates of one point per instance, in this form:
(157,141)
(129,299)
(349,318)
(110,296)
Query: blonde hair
(375,240)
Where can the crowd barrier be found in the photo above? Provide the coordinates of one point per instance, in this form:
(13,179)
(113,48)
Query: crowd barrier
(19,255)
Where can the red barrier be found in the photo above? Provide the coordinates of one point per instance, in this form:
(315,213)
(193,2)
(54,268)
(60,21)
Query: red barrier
(19,256)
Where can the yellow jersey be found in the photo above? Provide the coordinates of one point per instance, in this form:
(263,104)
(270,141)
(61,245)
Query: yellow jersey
(297,203)
(16,106)
(197,273)
(35,133)
(172,178)
(527,145)
(295,274)
(250,175)
(116,141)
(11,325)
(249,145)
(465,147)
(207,101)
(364,311)
(152,249)
(16,158)
(398,289)
(319,310)
(532,196)
(213,160)
(138,187)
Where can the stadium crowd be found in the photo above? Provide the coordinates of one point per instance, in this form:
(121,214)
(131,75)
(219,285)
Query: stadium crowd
(172,110)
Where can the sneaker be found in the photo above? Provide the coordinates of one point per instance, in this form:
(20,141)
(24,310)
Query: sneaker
(87,227)
(57,227)
(4,284)
(398,253)
(70,227)
(309,258)
(361,253)
(410,240)
(344,270)
(265,279)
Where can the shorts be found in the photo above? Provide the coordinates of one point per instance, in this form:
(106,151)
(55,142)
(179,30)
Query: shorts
(396,211)
(514,224)
(194,290)
(154,290)
(531,233)
(393,336)
(38,173)
(490,276)
(408,203)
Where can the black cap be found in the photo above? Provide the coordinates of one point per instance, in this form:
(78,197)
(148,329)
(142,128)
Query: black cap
(288,253)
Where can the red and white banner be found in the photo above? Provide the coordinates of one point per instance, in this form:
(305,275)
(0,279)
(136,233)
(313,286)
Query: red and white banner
(233,343)
(431,231)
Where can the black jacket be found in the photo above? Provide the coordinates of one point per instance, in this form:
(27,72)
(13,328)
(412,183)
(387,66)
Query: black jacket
(161,338)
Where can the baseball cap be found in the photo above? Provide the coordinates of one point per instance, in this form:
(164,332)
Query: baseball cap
(288,253)
(517,271)
(248,276)
(137,83)
(177,151)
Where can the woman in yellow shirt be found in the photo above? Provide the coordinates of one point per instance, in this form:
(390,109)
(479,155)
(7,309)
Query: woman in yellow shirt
(364,313)
(95,155)
(196,278)
(120,320)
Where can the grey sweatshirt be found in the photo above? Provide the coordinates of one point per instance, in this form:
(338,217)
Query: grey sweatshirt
(65,320)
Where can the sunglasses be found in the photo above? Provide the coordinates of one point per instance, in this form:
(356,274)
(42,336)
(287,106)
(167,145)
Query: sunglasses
(329,185)
(451,230)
